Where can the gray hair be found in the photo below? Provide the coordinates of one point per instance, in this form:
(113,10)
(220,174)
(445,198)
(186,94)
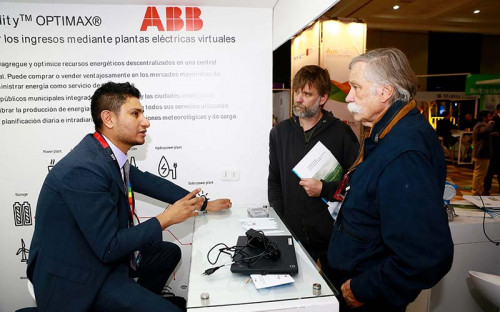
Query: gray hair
(390,67)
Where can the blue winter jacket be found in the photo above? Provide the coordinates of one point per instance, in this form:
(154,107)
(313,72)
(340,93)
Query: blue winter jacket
(392,236)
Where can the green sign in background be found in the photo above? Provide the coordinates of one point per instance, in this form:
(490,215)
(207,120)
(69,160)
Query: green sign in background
(471,88)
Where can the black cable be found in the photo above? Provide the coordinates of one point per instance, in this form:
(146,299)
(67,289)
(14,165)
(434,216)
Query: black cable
(256,241)
(221,250)
(484,219)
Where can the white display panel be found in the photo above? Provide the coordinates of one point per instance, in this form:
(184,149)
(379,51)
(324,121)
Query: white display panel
(207,92)
(291,16)
(305,48)
(341,43)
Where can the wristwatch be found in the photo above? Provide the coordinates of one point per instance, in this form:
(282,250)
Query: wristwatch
(205,202)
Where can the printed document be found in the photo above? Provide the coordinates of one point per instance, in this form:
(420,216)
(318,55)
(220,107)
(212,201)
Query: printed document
(320,164)
(270,280)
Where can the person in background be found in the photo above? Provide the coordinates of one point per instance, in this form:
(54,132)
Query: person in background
(494,166)
(301,202)
(468,123)
(482,151)
(86,248)
(444,127)
(391,238)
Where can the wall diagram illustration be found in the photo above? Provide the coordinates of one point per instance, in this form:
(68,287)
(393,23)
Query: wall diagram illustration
(52,163)
(23,251)
(22,214)
(164,169)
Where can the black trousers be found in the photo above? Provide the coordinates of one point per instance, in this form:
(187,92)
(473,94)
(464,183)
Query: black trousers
(121,293)
(157,264)
(493,168)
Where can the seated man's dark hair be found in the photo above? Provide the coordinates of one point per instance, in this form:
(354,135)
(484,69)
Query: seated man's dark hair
(110,96)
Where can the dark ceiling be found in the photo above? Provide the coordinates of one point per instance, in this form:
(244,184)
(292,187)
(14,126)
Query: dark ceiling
(423,15)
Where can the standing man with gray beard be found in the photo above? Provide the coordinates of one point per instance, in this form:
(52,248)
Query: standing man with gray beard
(300,202)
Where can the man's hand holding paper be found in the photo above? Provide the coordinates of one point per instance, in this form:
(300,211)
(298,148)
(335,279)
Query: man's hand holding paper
(312,186)
(319,163)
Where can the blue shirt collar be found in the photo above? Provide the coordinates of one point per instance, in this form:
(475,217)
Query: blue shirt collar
(120,156)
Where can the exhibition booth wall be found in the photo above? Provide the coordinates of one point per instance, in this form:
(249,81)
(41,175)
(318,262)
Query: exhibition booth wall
(204,69)
(195,86)
(332,45)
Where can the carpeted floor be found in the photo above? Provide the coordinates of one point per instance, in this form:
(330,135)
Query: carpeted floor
(462,176)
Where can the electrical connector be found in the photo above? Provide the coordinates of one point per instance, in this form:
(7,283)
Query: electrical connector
(211,270)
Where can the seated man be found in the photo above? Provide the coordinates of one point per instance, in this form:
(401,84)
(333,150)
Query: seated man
(86,249)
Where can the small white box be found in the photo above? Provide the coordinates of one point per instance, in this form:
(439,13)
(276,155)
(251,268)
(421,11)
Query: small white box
(258,212)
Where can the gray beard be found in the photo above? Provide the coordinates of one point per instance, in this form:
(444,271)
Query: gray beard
(306,112)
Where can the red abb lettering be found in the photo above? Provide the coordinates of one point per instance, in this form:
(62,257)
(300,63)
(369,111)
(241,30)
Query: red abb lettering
(152,18)
(193,20)
(173,19)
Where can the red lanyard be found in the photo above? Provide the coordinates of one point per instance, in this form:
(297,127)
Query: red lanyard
(130,195)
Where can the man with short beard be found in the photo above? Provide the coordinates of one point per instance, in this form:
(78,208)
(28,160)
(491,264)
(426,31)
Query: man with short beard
(299,202)
(391,238)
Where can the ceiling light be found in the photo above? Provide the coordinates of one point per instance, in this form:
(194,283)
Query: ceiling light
(395,7)
(476,11)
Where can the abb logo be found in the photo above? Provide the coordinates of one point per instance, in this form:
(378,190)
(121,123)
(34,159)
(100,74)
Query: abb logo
(174,20)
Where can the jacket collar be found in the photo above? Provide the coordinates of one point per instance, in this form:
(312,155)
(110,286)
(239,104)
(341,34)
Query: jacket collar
(384,125)
(391,117)
(115,171)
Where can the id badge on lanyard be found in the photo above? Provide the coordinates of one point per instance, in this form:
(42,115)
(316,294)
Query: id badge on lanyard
(343,187)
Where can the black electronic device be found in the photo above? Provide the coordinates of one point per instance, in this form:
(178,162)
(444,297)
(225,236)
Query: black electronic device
(284,263)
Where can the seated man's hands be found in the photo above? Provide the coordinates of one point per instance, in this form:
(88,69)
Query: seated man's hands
(181,210)
(219,204)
